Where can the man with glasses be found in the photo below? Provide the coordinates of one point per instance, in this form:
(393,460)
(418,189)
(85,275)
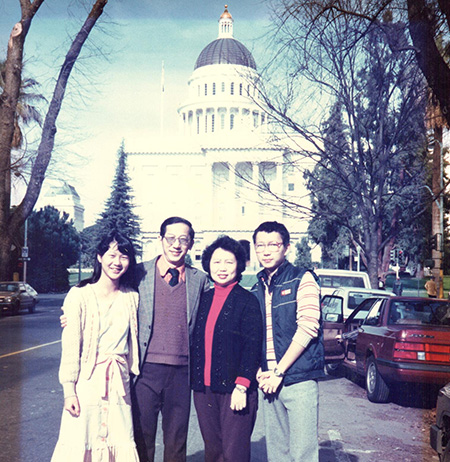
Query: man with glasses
(169,294)
(293,354)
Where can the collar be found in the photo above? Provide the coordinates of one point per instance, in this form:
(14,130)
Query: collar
(224,291)
(163,267)
(265,277)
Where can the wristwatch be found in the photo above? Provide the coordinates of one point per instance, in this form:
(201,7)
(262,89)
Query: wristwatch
(277,373)
(241,388)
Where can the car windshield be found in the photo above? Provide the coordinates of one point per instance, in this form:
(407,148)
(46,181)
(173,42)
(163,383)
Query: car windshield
(341,281)
(426,312)
(356,298)
(8,287)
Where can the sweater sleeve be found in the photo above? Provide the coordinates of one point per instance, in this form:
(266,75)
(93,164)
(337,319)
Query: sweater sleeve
(69,369)
(308,310)
(252,336)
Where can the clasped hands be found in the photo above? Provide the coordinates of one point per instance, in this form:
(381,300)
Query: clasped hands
(268,381)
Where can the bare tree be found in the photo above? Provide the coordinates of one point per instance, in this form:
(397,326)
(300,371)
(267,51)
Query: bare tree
(368,172)
(12,220)
(428,22)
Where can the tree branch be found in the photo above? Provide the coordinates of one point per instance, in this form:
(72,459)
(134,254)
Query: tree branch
(49,129)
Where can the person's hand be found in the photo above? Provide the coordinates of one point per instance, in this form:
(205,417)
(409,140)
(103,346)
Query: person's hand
(260,375)
(238,400)
(72,405)
(270,383)
(63,320)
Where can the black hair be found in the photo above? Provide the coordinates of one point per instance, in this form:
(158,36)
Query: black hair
(230,245)
(273,227)
(128,279)
(246,246)
(174,220)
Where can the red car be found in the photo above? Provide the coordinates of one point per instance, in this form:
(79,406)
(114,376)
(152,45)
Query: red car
(389,340)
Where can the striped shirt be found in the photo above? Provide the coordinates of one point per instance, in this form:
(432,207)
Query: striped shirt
(308,316)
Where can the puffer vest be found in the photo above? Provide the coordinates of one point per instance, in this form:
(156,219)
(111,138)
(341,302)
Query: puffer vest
(283,286)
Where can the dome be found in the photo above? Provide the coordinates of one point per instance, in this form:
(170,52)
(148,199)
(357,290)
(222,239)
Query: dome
(225,51)
(226,14)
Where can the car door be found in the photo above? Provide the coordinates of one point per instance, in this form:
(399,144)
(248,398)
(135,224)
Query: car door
(351,326)
(332,307)
(369,337)
(25,297)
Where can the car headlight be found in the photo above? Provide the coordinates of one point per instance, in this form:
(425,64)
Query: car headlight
(8,299)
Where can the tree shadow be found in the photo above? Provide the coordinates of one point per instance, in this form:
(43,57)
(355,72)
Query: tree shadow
(258,454)
(420,396)
(330,451)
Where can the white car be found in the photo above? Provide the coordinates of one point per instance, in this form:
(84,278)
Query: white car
(331,279)
(346,299)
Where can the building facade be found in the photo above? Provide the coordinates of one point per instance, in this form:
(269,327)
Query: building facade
(222,172)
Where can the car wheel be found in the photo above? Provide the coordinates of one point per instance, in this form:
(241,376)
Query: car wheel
(333,369)
(376,388)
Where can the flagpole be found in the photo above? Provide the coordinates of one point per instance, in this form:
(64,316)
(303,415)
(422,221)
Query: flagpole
(162,99)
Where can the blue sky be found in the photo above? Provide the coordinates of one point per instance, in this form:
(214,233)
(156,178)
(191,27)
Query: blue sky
(118,96)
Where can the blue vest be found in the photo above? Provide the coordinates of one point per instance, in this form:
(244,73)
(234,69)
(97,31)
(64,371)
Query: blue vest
(283,286)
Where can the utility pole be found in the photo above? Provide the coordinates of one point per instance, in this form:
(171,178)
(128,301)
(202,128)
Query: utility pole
(437,220)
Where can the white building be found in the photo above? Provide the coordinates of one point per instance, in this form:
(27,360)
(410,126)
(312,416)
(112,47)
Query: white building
(215,172)
(64,197)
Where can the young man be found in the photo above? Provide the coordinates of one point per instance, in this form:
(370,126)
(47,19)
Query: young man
(169,294)
(293,355)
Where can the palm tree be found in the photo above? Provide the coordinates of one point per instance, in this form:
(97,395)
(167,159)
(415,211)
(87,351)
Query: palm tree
(26,112)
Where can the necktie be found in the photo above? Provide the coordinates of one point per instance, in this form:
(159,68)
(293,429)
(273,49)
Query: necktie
(175,274)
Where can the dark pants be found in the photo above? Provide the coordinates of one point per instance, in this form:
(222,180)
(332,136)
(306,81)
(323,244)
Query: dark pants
(162,388)
(226,433)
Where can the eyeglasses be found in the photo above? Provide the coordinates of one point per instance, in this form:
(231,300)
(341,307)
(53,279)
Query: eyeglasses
(184,241)
(271,246)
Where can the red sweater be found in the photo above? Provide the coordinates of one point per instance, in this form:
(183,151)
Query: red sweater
(220,295)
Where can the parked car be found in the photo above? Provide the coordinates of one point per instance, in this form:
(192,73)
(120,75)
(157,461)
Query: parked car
(17,295)
(392,340)
(440,431)
(346,299)
(331,279)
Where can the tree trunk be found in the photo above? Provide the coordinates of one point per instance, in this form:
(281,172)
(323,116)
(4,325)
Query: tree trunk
(429,58)
(8,105)
(11,222)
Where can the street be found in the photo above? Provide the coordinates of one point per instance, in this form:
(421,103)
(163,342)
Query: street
(351,428)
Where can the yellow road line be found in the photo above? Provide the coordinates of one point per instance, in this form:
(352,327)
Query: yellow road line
(29,349)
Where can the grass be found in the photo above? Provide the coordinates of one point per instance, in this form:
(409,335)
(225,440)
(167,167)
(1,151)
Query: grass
(74,276)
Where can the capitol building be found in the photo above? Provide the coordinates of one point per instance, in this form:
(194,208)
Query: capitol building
(223,171)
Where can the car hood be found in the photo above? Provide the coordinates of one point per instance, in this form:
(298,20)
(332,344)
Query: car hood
(7,294)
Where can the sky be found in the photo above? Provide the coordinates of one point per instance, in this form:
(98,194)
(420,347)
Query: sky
(115,92)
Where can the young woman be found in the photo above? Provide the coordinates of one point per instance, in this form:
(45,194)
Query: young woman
(99,350)
(225,356)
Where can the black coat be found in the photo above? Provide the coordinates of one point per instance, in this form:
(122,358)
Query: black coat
(237,341)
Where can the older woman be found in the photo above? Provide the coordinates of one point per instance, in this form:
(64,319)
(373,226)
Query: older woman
(226,356)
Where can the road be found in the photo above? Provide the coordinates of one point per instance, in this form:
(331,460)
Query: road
(351,429)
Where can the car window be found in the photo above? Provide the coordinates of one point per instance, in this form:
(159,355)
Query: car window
(425,311)
(331,304)
(363,309)
(341,281)
(8,287)
(373,317)
(356,298)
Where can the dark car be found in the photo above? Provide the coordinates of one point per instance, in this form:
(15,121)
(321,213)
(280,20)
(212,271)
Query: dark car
(392,340)
(17,295)
(440,432)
